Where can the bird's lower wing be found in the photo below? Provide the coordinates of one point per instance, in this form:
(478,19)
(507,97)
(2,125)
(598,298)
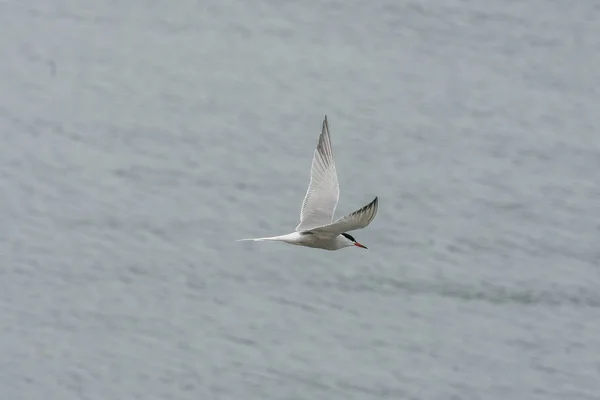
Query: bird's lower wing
(359,219)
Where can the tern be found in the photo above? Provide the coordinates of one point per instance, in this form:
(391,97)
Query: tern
(317,228)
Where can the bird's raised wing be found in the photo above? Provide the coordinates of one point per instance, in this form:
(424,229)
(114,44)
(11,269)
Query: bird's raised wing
(323,190)
(359,219)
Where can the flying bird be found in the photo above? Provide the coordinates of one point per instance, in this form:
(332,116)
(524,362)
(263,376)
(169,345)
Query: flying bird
(317,228)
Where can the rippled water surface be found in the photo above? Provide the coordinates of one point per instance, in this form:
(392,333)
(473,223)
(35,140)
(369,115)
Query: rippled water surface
(140,139)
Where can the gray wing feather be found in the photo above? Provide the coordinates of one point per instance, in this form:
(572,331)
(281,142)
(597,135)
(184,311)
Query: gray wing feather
(323,191)
(358,219)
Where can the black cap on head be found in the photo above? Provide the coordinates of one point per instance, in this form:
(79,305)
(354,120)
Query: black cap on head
(348,236)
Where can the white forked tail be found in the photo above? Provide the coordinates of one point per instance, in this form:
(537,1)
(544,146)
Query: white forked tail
(289,238)
(265,239)
(257,239)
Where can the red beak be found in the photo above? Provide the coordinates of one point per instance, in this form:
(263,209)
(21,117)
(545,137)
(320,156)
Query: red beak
(360,245)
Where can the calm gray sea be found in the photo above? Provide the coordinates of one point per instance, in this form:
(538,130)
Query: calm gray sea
(140,139)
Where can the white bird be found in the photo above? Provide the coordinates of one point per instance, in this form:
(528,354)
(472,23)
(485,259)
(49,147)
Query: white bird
(316,228)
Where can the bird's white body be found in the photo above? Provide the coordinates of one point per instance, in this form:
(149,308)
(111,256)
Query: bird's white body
(308,239)
(317,228)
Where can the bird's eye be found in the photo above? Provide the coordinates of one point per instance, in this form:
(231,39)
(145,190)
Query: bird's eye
(349,237)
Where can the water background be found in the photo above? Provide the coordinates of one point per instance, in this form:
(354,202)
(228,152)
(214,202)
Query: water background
(140,139)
